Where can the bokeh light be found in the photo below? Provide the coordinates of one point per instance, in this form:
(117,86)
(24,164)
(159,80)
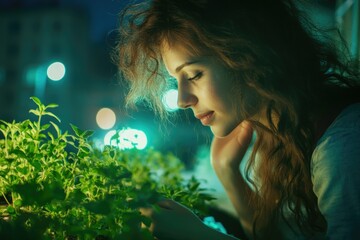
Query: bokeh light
(108,140)
(127,139)
(56,71)
(170,100)
(105,118)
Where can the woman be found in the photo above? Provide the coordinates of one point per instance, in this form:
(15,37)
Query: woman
(254,68)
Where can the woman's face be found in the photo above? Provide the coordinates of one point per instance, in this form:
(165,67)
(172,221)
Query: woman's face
(205,86)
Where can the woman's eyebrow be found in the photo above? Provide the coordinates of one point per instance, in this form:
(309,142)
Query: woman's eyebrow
(178,69)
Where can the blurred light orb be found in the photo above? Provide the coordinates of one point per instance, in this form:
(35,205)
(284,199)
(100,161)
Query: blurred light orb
(105,118)
(126,139)
(56,71)
(170,100)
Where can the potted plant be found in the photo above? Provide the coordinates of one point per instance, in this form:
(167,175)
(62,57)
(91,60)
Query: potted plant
(57,185)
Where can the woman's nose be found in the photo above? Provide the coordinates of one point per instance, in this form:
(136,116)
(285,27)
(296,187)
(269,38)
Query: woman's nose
(186,98)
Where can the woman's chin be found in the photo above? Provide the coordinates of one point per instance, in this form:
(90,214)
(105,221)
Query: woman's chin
(221,132)
(224,130)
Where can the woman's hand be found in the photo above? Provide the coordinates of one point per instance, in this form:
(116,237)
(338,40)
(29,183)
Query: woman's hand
(174,221)
(226,156)
(227,152)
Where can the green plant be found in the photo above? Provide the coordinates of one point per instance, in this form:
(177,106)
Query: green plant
(56,185)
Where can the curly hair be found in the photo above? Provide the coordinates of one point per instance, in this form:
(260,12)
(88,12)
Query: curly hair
(281,63)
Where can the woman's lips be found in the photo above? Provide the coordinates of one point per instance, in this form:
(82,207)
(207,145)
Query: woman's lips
(205,118)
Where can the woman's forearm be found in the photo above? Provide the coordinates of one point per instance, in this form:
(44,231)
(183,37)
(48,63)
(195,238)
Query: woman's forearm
(239,194)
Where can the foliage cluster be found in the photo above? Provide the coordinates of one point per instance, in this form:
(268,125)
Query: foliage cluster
(57,185)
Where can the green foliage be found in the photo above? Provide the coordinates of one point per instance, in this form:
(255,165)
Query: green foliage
(56,185)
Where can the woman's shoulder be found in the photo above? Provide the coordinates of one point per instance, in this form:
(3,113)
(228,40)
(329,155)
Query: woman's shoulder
(334,171)
(349,117)
(338,149)
(348,120)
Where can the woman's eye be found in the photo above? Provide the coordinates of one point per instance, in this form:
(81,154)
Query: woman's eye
(197,76)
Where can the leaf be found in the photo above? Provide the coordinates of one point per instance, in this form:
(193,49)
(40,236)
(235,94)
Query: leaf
(10,210)
(18,153)
(51,105)
(36,112)
(77,131)
(41,136)
(45,126)
(52,115)
(194,185)
(87,133)
(51,136)
(31,147)
(57,129)
(36,100)
(17,203)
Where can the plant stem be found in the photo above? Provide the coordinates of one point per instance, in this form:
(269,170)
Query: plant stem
(38,126)
(6,146)
(7,201)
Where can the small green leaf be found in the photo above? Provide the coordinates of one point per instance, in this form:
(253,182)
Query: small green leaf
(88,133)
(19,153)
(36,112)
(52,115)
(18,203)
(193,186)
(57,129)
(51,105)
(45,126)
(81,133)
(36,100)
(51,136)
(10,210)
(41,136)
(77,131)
(36,164)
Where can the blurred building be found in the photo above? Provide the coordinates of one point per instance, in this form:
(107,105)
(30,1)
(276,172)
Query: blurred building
(32,39)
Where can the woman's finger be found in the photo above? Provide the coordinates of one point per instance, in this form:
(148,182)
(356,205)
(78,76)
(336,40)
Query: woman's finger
(146,211)
(171,205)
(166,203)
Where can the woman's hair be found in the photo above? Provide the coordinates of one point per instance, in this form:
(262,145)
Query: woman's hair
(280,62)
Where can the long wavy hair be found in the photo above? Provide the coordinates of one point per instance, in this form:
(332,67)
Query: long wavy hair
(280,62)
